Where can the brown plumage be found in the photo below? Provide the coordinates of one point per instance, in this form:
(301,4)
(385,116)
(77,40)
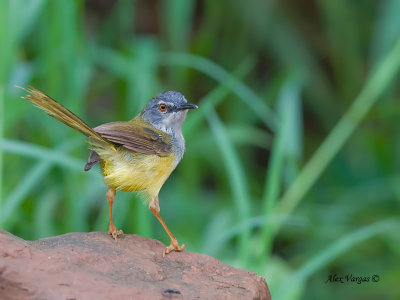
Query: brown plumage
(136,135)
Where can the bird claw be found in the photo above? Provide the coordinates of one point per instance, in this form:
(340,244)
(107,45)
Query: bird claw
(112,230)
(174,246)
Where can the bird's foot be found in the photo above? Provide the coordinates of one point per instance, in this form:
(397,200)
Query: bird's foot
(174,246)
(114,232)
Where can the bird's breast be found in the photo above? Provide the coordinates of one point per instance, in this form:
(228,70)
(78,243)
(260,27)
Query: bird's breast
(129,171)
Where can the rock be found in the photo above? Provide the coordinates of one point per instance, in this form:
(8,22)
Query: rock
(94,266)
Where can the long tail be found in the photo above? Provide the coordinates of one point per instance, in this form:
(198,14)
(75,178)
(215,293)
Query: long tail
(62,114)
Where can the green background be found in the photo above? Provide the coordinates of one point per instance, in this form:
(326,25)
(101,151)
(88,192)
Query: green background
(292,162)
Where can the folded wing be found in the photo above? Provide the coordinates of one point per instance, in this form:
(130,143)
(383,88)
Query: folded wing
(136,136)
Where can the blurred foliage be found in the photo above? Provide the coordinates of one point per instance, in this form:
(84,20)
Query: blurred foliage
(292,163)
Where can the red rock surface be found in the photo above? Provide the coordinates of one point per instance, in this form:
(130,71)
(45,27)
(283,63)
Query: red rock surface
(94,266)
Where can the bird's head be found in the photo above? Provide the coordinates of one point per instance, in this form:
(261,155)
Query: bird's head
(167,111)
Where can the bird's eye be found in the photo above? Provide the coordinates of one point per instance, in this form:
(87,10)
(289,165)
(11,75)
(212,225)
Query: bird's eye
(162,107)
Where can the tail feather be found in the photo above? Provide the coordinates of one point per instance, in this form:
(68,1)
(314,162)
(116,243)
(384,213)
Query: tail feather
(62,114)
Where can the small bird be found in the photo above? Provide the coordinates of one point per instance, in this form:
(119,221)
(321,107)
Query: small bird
(136,155)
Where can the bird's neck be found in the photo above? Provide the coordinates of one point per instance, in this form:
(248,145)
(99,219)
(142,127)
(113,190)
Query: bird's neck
(178,143)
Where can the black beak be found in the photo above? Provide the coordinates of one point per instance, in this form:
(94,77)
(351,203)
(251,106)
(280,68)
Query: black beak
(187,106)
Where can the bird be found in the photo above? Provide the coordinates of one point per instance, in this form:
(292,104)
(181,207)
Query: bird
(137,155)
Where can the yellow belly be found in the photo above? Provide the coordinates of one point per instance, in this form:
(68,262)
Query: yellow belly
(129,171)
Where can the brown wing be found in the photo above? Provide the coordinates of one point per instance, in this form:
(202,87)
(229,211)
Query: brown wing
(136,135)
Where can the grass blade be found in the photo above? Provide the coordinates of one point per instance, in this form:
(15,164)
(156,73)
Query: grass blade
(375,86)
(216,96)
(219,238)
(55,156)
(331,252)
(237,178)
(35,174)
(115,63)
(287,102)
(387,29)
(216,72)
(16,197)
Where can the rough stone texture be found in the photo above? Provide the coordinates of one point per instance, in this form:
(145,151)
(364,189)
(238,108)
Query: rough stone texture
(94,266)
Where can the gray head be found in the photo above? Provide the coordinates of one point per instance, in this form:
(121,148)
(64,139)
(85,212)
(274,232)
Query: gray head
(167,111)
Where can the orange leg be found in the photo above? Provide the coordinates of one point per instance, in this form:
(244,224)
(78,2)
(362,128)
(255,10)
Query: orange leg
(112,229)
(155,209)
